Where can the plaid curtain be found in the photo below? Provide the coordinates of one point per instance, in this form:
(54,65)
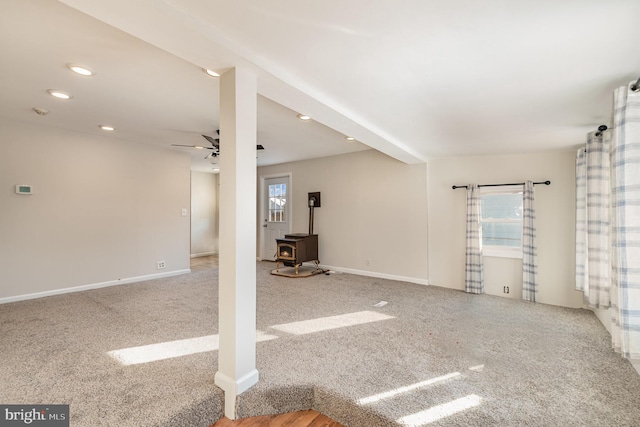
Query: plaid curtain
(593,190)
(625,176)
(529,250)
(474,282)
(581,221)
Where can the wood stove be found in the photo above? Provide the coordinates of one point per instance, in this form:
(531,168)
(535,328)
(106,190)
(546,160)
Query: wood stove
(297,248)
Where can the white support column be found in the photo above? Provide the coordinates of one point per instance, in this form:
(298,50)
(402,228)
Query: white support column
(237,261)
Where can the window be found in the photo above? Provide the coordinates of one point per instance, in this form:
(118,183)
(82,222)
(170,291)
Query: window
(278,203)
(501,222)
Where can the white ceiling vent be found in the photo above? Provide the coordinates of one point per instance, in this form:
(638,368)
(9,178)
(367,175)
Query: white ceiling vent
(41,111)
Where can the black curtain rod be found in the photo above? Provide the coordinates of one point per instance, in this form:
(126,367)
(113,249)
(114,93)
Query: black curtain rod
(502,185)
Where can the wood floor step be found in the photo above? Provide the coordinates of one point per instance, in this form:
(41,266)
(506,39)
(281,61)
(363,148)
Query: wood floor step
(308,418)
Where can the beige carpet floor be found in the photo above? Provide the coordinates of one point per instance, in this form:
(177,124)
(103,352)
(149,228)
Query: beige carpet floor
(430,356)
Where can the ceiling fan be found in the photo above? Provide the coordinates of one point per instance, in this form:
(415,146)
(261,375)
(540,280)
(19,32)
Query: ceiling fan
(215,145)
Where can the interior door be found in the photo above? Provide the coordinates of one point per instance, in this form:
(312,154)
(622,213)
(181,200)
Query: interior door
(276,214)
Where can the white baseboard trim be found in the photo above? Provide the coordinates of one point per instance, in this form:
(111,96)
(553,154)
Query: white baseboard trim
(93,286)
(232,388)
(376,274)
(236,386)
(203,254)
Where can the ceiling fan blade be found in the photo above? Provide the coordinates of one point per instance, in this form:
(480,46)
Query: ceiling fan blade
(214,142)
(199,147)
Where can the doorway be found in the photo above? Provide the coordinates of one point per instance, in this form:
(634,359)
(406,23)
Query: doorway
(275,212)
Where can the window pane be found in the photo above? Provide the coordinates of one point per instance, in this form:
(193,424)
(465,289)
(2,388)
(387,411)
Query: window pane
(277,210)
(277,202)
(502,234)
(502,219)
(502,206)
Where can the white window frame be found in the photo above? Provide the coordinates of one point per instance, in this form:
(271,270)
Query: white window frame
(501,251)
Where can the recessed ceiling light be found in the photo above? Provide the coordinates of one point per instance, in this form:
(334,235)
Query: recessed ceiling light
(304,117)
(79,69)
(210,72)
(349,138)
(107,127)
(197,147)
(59,94)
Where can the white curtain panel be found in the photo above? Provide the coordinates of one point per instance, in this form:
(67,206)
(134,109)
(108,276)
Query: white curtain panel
(625,200)
(529,250)
(581,221)
(593,190)
(474,282)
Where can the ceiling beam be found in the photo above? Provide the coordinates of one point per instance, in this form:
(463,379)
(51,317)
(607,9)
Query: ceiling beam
(179,31)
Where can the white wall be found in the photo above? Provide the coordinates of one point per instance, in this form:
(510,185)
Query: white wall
(102,209)
(555,222)
(204,213)
(376,208)
(373,208)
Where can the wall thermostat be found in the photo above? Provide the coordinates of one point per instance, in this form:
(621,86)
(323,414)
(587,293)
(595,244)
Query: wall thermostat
(24,189)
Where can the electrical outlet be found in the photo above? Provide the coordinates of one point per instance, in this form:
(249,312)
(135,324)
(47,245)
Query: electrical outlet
(505,289)
(161,265)
(367,262)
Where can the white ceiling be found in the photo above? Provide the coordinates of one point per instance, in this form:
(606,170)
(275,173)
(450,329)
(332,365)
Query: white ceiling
(147,94)
(414,79)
